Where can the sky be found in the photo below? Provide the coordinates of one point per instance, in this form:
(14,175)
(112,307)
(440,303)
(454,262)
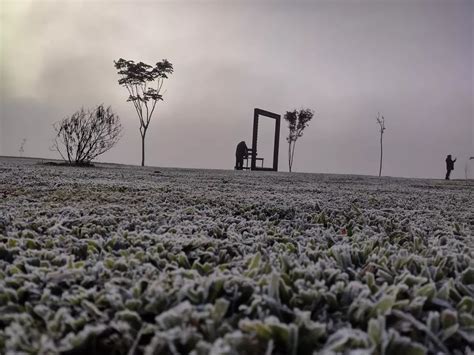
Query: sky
(411,60)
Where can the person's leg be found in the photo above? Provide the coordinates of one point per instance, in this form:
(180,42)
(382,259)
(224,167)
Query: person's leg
(240,164)
(447,174)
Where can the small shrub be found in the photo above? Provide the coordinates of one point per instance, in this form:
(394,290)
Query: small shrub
(87,134)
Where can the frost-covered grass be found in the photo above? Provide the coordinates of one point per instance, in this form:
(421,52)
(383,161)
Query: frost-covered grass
(117,260)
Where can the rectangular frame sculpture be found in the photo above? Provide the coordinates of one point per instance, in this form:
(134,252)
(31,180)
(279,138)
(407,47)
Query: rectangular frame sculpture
(276,143)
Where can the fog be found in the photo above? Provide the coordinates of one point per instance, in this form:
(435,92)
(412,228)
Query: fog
(347,60)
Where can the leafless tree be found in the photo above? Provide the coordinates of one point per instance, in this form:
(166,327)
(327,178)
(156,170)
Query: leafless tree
(466,168)
(86,134)
(21,150)
(143,83)
(297,122)
(381,123)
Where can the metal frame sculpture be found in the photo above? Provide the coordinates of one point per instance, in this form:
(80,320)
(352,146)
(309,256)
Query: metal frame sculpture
(276,143)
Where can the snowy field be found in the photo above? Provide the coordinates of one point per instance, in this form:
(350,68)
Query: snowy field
(128,260)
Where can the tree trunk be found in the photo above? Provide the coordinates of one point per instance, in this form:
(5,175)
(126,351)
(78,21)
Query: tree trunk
(381,155)
(293,153)
(289,156)
(143,149)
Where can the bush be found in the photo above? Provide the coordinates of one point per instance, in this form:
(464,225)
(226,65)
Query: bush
(87,134)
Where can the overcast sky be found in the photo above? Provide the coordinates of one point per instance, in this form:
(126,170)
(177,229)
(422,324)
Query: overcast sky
(346,59)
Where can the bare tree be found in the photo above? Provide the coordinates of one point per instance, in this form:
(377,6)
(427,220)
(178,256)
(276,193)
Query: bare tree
(466,168)
(86,135)
(297,122)
(143,83)
(21,150)
(381,123)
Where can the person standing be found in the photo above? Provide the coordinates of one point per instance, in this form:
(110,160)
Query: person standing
(240,154)
(449,166)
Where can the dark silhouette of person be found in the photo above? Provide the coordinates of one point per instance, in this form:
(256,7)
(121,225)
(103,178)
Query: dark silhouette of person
(449,166)
(240,154)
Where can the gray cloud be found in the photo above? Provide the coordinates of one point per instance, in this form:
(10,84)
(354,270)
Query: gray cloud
(411,60)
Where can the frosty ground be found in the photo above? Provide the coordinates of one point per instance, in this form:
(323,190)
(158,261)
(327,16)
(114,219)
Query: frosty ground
(119,259)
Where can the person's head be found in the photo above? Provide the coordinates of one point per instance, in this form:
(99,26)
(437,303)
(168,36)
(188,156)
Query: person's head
(449,156)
